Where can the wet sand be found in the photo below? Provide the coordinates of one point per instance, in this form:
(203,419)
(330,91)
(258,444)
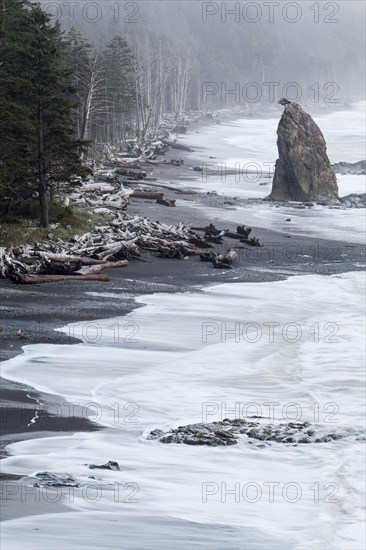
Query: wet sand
(31,313)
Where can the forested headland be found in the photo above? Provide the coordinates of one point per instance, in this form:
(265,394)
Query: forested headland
(69,86)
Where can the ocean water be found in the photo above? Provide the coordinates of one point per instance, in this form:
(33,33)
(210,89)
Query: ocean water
(230,351)
(291,351)
(248,147)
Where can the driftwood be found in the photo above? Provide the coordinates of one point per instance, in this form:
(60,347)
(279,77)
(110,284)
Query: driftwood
(131,173)
(110,251)
(232,235)
(147,195)
(37,279)
(200,242)
(207,256)
(166,202)
(225,262)
(94,269)
(220,261)
(246,231)
(175,145)
(177,250)
(66,259)
(251,242)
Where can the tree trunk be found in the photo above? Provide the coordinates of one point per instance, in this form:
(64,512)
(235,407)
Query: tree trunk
(42,184)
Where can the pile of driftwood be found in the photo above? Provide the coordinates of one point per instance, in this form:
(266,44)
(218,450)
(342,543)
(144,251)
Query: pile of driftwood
(113,245)
(216,236)
(113,196)
(105,247)
(100,197)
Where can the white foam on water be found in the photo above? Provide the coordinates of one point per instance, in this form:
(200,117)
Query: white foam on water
(249,145)
(318,221)
(187,362)
(169,362)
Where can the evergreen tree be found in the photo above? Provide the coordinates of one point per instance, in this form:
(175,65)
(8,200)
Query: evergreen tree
(16,124)
(37,105)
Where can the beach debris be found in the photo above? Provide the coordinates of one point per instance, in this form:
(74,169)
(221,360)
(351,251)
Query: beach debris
(178,250)
(166,202)
(225,261)
(175,145)
(219,261)
(251,242)
(227,432)
(39,279)
(177,162)
(121,239)
(232,235)
(207,256)
(242,230)
(153,195)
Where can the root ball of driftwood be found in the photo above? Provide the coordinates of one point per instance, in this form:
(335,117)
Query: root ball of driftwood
(245,231)
(251,242)
(166,202)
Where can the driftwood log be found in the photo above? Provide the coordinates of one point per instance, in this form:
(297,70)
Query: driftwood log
(94,269)
(166,202)
(154,195)
(225,261)
(37,279)
(175,145)
(66,258)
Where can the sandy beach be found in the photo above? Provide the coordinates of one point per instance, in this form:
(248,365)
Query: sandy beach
(31,314)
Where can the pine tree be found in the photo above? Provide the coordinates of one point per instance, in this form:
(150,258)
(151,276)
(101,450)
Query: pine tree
(42,148)
(16,124)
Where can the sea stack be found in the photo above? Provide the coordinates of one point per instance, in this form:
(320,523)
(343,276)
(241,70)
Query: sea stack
(303,171)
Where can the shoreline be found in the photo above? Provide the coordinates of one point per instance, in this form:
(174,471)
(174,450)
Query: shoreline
(36,311)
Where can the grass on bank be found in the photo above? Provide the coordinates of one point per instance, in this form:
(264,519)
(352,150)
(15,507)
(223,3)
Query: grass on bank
(21,226)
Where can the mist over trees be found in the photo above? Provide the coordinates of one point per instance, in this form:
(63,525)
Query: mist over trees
(311,44)
(91,73)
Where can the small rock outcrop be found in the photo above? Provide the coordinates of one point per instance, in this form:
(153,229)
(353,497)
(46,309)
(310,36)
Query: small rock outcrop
(227,432)
(303,171)
(354,168)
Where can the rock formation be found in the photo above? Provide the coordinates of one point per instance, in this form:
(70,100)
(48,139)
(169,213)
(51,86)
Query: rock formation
(227,432)
(303,171)
(354,168)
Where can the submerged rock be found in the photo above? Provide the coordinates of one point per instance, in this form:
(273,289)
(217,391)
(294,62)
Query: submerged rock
(226,432)
(110,465)
(47,479)
(303,171)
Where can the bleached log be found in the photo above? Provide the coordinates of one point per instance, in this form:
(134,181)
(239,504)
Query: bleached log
(93,269)
(111,250)
(66,258)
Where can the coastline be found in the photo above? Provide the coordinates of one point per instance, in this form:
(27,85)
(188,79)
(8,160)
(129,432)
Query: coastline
(37,310)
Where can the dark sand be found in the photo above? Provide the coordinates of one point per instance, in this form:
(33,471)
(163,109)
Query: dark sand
(31,313)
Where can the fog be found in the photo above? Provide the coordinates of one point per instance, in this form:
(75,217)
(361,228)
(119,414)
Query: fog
(311,51)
